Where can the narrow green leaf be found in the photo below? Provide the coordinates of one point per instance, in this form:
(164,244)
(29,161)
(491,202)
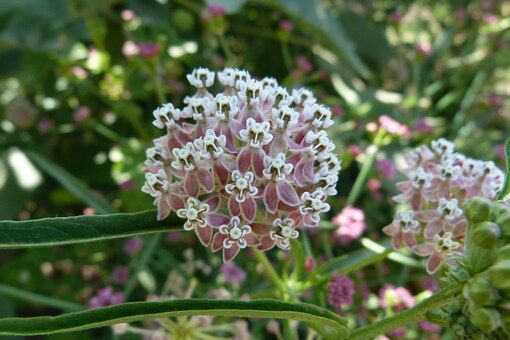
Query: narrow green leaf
(327,322)
(313,14)
(77,229)
(40,299)
(505,191)
(70,182)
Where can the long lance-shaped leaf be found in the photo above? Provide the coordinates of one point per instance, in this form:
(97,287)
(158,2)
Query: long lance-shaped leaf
(70,182)
(77,229)
(30,297)
(324,321)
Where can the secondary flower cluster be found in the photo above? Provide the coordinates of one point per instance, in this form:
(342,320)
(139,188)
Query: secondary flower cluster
(440,181)
(245,167)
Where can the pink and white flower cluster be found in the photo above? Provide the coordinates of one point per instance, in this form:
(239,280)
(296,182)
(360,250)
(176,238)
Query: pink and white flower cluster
(248,166)
(439,181)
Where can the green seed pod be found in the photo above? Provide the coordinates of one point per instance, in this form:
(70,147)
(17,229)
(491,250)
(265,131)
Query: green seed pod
(500,274)
(498,209)
(503,221)
(486,319)
(480,290)
(486,234)
(478,209)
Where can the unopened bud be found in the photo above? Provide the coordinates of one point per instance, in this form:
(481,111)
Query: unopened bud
(504,252)
(486,319)
(486,234)
(480,290)
(477,209)
(500,274)
(498,209)
(503,221)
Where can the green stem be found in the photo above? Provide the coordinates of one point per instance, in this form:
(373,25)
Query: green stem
(39,299)
(409,316)
(270,271)
(231,59)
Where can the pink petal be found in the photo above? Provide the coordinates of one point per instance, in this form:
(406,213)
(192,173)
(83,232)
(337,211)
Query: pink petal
(409,239)
(252,240)
(236,126)
(163,208)
(416,201)
(216,220)
(404,186)
(459,228)
(308,170)
(257,161)
(221,172)
(191,184)
(233,206)
(266,243)
(217,242)
(298,173)
(390,229)
(204,235)
(287,193)
(249,208)
(176,202)
(426,215)
(396,240)
(260,228)
(213,203)
(279,144)
(434,262)
(271,198)
(206,179)
(403,197)
(423,249)
(230,253)
(433,227)
(244,159)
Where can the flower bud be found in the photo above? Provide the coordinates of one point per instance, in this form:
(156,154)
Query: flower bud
(503,221)
(477,209)
(479,289)
(504,252)
(486,234)
(500,274)
(498,209)
(486,319)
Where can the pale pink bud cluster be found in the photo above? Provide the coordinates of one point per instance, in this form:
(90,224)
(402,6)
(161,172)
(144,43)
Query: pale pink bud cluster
(248,166)
(439,181)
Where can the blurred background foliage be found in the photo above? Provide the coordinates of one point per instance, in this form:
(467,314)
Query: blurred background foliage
(79,80)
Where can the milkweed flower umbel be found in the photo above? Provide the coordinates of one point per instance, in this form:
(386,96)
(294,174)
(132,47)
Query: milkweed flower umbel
(246,167)
(440,181)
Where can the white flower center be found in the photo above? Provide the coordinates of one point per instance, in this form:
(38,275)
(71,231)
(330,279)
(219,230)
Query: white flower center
(235,233)
(286,231)
(241,183)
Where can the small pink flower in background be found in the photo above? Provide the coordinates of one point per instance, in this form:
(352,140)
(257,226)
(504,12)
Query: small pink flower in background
(173,238)
(396,16)
(500,151)
(81,114)
(395,299)
(310,264)
(374,186)
(460,14)
(496,100)
(304,64)
(148,49)
(127,185)
(394,127)
(286,25)
(45,125)
(425,49)
(337,111)
(133,245)
(89,211)
(127,15)
(351,224)
(120,275)
(423,127)
(233,274)
(79,72)
(340,291)
(354,149)
(106,297)
(130,49)
(386,168)
(216,10)
(430,283)
(490,18)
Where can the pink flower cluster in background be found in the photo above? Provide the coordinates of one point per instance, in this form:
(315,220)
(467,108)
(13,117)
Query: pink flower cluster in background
(246,167)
